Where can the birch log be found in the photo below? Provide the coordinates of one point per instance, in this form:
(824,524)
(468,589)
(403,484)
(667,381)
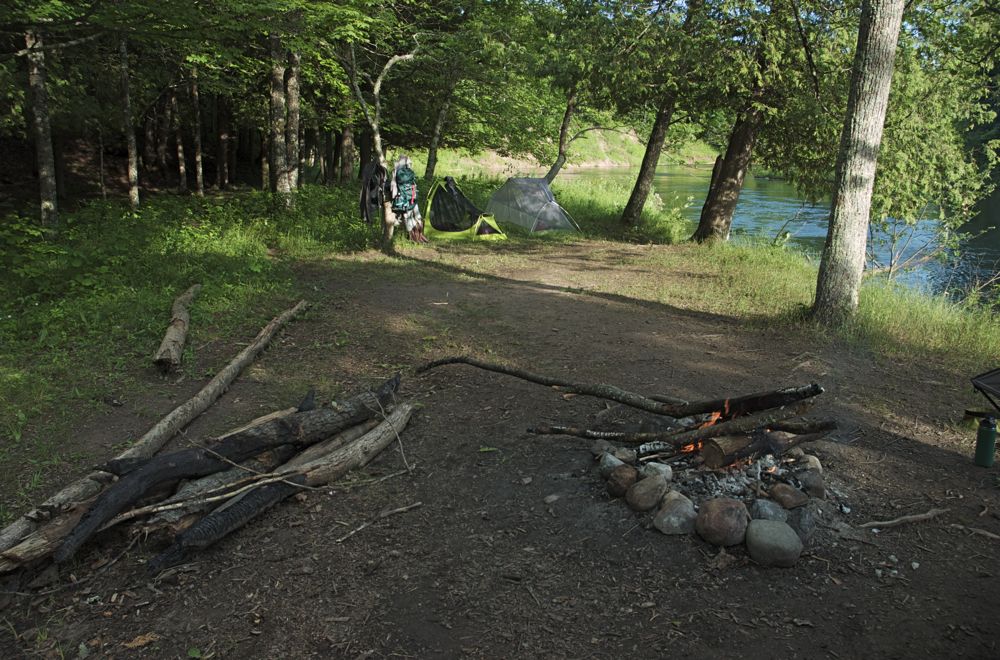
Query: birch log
(168,357)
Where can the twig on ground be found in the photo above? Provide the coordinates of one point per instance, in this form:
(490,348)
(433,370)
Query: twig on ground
(976,530)
(384,514)
(902,520)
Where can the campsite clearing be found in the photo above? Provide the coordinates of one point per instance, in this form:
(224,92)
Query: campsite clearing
(517,550)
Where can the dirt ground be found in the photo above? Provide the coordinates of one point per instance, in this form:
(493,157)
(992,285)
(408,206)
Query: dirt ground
(484,567)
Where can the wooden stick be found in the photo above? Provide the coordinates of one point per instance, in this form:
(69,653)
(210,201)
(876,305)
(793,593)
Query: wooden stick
(976,530)
(902,520)
(154,439)
(168,356)
(384,514)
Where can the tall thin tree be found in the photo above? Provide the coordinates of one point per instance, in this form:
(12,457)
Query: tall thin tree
(127,126)
(843,261)
(41,129)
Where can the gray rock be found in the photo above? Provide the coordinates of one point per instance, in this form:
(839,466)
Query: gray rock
(804,520)
(621,479)
(812,482)
(602,447)
(657,469)
(625,455)
(773,543)
(768,510)
(795,452)
(722,521)
(676,515)
(609,463)
(787,496)
(810,462)
(551,499)
(646,494)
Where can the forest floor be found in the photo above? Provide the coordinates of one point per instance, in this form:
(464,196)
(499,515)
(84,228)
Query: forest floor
(484,567)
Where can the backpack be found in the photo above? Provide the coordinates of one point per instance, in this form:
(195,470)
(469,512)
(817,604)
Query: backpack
(406,185)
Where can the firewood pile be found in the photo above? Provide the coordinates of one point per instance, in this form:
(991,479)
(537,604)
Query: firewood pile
(200,494)
(731,470)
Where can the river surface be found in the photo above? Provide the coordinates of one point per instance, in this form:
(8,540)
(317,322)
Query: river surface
(771,207)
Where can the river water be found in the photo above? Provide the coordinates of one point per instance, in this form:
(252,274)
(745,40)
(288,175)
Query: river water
(769,207)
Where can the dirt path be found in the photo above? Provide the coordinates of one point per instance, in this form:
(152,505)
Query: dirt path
(484,567)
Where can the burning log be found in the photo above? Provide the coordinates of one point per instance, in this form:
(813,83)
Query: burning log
(318,471)
(717,452)
(168,357)
(300,429)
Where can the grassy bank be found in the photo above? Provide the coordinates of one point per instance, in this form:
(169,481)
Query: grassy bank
(80,312)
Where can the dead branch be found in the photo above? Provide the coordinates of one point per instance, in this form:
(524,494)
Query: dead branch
(384,514)
(976,530)
(152,441)
(168,357)
(300,429)
(239,511)
(902,520)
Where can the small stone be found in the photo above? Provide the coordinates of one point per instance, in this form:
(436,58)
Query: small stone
(608,464)
(893,559)
(788,496)
(722,521)
(621,479)
(878,572)
(810,462)
(812,482)
(646,494)
(551,499)
(804,520)
(626,455)
(773,543)
(602,447)
(915,565)
(676,514)
(795,452)
(768,510)
(525,481)
(654,469)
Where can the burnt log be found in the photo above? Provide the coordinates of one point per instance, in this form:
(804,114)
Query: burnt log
(717,452)
(720,452)
(168,356)
(318,471)
(299,429)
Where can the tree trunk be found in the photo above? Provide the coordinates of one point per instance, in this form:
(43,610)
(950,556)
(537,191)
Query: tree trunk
(222,153)
(163,122)
(332,157)
(279,148)
(265,165)
(720,203)
(41,130)
(564,136)
(364,150)
(432,152)
(632,215)
(179,138)
(133,151)
(199,181)
(292,126)
(347,154)
(843,258)
(149,143)
(100,163)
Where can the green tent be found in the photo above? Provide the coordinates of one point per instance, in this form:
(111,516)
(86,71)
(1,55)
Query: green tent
(451,215)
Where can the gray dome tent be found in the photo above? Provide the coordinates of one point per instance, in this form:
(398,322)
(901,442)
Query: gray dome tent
(529,204)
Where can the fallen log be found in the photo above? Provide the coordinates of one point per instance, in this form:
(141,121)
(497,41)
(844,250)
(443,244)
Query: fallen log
(671,442)
(729,408)
(717,452)
(316,472)
(168,356)
(300,429)
(601,391)
(154,439)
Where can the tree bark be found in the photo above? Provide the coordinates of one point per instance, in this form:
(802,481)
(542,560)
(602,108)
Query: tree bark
(199,180)
(632,215)
(292,126)
(432,151)
(724,193)
(163,122)
(179,138)
(843,259)
(279,112)
(564,137)
(332,144)
(347,154)
(133,152)
(168,357)
(42,130)
(222,151)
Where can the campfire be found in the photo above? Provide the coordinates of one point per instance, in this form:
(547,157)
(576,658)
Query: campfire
(731,470)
